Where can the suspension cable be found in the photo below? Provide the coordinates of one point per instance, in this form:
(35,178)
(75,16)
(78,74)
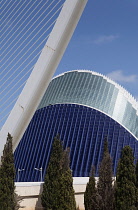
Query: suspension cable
(15,16)
(26,25)
(30,35)
(27,57)
(15,37)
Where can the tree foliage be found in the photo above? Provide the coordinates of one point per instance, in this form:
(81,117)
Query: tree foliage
(137,174)
(125,181)
(102,196)
(90,195)
(58,193)
(105,182)
(7,175)
(136,184)
(67,198)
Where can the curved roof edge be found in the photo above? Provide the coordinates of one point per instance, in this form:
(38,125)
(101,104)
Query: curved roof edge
(103,113)
(129,97)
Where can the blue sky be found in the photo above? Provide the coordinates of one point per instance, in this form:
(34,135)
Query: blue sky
(106,41)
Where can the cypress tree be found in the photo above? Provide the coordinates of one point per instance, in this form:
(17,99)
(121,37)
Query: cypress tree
(7,175)
(137,174)
(125,181)
(57,192)
(90,195)
(136,184)
(105,182)
(67,197)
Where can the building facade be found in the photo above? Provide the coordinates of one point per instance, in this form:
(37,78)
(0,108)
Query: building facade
(83,107)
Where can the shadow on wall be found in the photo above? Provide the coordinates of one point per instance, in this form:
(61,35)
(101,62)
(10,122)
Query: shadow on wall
(79,195)
(38,205)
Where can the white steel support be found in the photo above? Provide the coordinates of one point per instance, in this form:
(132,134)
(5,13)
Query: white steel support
(42,73)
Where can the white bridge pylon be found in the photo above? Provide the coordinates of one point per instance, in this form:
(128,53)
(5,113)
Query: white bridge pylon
(42,73)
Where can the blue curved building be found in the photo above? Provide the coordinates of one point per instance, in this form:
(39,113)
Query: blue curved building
(83,107)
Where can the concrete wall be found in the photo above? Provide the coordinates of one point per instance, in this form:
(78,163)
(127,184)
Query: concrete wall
(31,191)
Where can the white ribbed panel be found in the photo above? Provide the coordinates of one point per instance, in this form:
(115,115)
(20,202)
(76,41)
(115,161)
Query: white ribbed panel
(119,108)
(44,69)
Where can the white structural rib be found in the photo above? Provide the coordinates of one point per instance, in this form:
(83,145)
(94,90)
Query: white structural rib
(42,73)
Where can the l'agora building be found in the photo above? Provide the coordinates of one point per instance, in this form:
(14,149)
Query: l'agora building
(83,107)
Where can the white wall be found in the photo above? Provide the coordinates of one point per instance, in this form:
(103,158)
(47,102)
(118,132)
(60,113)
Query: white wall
(31,191)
